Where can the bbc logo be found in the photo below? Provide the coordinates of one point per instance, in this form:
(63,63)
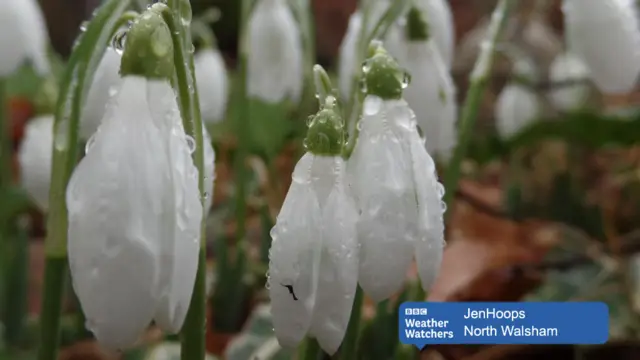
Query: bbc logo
(415,311)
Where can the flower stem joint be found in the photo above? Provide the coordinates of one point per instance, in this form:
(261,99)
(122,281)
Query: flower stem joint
(326,131)
(149,49)
(382,76)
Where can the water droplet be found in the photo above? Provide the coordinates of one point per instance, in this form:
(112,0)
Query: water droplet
(191,143)
(83,26)
(366,66)
(310,119)
(443,206)
(113,91)
(305,144)
(440,189)
(89,143)
(372,105)
(363,86)
(119,40)
(322,119)
(359,125)
(206,195)
(406,79)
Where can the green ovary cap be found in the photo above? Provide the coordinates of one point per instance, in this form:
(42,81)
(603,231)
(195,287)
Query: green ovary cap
(149,48)
(326,133)
(417,26)
(383,77)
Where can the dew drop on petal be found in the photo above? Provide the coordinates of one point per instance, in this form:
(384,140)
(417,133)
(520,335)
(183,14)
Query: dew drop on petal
(440,189)
(206,195)
(119,40)
(372,105)
(89,144)
(443,206)
(191,143)
(406,80)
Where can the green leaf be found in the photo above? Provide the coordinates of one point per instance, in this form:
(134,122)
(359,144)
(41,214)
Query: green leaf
(257,340)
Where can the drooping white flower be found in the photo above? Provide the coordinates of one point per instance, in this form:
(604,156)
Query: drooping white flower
(105,83)
(567,67)
(517,106)
(313,261)
(440,21)
(606,36)
(134,217)
(396,189)
(432,92)
(347,55)
(23,36)
(34,158)
(275,55)
(211,75)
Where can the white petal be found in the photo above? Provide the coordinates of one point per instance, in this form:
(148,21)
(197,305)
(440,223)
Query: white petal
(338,267)
(211,75)
(275,55)
(429,194)
(567,67)
(104,86)
(116,201)
(294,258)
(347,61)
(606,36)
(23,36)
(381,179)
(179,253)
(440,19)
(34,157)
(516,107)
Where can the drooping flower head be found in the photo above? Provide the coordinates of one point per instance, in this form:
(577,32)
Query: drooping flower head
(34,157)
(568,67)
(517,106)
(275,55)
(211,75)
(313,261)
(23,36)
(133,201)
(432,93)
(395,185)
(606,36)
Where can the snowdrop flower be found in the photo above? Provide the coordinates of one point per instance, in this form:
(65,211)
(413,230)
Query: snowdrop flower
(313,267)
(567,67)
(105,83)
(440,21)
(23,36)
(275,55)
(34,157)
(133,201)
(432,93)
(211,76)
(606,36)
(517,106)
(395,186)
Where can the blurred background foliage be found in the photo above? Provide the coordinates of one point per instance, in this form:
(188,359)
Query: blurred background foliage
(549,214)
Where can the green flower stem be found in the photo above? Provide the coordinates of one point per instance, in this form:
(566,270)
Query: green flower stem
(478,82)
(310,350)
(5,139)
(192,340)
(76,81)
(349,348)
(16,284)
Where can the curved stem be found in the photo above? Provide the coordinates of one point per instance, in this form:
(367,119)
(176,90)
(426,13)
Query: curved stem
(349,349)
(478,78)
(76,81)
(192,339)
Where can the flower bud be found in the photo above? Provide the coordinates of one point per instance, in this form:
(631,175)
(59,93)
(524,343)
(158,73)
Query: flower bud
(326,133)
(383,77)
(23,36)
(34,157)
(149,48)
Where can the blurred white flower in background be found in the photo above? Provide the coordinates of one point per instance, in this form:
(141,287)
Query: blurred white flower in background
(440,21)
(517,105)
(606,36)
(134,217)
(213,84)
(23,36)
(275,54)
(105,85)
(34,157)
(568,67)
(431,93)
(209,169)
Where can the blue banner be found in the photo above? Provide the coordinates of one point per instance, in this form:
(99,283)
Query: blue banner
(425,323)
